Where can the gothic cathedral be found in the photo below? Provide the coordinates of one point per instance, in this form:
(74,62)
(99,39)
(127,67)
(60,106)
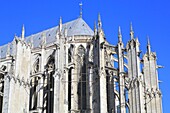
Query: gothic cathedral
(71,68)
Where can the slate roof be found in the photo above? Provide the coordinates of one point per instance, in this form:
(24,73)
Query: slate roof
(75,27)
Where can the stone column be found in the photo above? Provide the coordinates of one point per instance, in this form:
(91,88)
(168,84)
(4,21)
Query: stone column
(111,95)
(40,94)
(74,96)
(121,78)
(57,81)
(66,91)
(41,80)
(89,90)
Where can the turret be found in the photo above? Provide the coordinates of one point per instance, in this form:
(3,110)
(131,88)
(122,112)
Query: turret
(135,76)
(152,93)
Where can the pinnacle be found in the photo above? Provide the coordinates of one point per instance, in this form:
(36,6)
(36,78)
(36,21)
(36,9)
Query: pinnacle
(119,32)
(148,43)
(131,27)
(148,46)
(60,20)
(131,31)
(23,32)
(99,21)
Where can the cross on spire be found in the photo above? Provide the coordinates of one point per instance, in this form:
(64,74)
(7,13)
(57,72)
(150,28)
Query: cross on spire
(81,9)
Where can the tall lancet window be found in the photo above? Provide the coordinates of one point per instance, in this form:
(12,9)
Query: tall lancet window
(70,53)
(33,93)
(81,72)
(49,85)
(34,86)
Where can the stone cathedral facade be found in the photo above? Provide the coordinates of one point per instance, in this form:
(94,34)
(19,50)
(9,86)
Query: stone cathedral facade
(71,68)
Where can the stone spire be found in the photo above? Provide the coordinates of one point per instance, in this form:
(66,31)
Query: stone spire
(131,31)
(120,35)
(121,73)
(99,22)
(81,9)
(148,47)
(23,33)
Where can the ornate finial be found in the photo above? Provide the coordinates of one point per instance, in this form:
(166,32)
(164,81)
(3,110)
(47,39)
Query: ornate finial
(148,43)
(23,32)
(60,20)
(119,32)
(131,31)
(131,27)
(99,21)
(148,46)
(81,9)
(120,35)
(60,25)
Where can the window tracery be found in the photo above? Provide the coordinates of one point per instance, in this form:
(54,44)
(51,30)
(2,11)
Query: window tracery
(81,71)
(51,63)
(70,53)
(37,66)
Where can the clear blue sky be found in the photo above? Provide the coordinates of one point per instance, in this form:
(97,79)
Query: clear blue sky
(149,17)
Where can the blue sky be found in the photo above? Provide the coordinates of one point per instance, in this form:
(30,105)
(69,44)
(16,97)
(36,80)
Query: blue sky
(149,17)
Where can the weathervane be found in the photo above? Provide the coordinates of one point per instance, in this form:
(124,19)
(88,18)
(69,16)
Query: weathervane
(81,9)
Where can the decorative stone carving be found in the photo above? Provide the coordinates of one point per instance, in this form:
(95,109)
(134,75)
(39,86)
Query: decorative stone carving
(57,73)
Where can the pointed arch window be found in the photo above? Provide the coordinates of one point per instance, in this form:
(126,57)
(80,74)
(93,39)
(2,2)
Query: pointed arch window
(51,63)
(33,93)
(49,84)
(81,72)
(70,53)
